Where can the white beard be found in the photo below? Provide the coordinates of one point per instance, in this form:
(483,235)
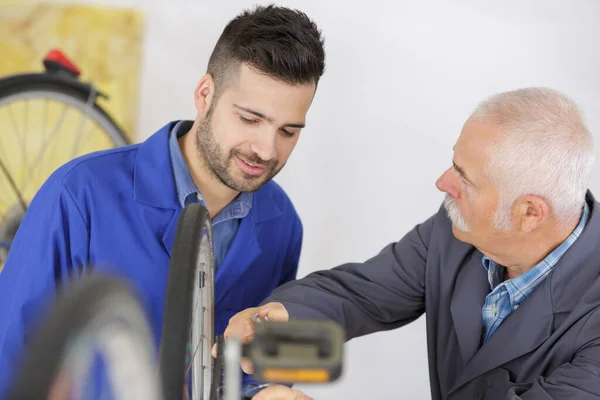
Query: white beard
(454,214)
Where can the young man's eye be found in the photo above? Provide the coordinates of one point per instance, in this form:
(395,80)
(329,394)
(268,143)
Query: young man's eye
(247,121)
(287,133)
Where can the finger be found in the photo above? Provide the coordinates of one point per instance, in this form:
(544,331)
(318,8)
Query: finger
(301,396)
(241,325)
(247,365)
(273,312)
(244,331)
(280,392)
(214,351)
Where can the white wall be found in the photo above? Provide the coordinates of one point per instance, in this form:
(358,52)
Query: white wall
(402,77)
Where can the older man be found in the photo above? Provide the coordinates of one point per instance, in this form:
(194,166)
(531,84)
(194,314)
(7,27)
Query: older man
(507,271)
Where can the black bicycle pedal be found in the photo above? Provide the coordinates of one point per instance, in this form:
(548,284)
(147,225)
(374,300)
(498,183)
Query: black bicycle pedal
(296,351)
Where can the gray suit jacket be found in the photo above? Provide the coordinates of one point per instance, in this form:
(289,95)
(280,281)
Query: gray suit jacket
(549,348)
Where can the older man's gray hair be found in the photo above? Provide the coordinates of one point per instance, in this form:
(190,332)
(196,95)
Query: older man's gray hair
(545,150)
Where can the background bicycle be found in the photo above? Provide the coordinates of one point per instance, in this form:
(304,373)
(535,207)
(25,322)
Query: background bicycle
(46,119)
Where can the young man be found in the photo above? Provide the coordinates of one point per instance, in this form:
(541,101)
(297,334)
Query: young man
(507,272)
(117,210)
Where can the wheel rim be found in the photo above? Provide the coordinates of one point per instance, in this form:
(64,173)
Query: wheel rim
(202,329)
(130,369)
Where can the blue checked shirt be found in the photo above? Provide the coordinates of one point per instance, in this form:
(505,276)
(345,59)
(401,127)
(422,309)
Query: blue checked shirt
(508,295)
(227,222)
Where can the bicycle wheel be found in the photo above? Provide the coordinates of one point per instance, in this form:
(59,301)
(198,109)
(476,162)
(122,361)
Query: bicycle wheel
(97,318)
(46,120)
(188,325)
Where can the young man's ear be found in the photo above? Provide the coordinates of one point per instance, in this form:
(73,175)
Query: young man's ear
(204,94)
(532,211)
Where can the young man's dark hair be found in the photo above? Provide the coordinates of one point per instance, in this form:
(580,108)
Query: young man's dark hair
(277,41)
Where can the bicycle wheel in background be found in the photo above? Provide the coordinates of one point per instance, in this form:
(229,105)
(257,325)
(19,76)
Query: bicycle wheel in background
(95,343)
(46,119)
(188,325)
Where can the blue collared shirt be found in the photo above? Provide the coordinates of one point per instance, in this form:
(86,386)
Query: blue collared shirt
(226,223)
(508,295)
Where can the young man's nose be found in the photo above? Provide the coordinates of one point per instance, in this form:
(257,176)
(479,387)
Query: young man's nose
(264,145)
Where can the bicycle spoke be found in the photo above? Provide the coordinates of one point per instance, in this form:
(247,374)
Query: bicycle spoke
(23,155)
(3,156)
(45,136)
(85,138)
(24,152)
(11,182)
(45,119)
(81,127)
(5,188)
(4,204)
(55,132)
(193,355)
(41,153)
(5,168)
(45,122)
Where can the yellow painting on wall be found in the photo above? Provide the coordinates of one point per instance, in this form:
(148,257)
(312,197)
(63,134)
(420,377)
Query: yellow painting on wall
(48,119)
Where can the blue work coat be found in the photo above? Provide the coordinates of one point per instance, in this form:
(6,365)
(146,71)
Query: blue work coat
(117,211)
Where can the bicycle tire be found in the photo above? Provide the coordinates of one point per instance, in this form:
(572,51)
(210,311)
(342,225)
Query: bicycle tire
(92,307)
(55,83)
(191,278)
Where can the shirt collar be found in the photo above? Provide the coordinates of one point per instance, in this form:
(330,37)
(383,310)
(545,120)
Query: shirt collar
(183,180)
(495,273)
(187,192)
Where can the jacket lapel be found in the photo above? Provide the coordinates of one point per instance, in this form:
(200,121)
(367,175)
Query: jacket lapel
(521,332)
(154,183)
(244,250)
(467,301)
(168,236)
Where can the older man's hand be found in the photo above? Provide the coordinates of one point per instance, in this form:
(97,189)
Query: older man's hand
(280,392)
(241,325)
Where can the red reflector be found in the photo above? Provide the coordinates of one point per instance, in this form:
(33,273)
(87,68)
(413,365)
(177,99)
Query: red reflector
(58,56)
